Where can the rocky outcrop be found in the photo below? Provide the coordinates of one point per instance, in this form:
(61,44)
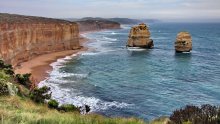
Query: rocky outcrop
(183,42)
(24,37)
(140,37)
(96,25)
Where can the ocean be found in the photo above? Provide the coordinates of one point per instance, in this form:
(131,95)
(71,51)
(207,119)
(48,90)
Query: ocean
(146,84)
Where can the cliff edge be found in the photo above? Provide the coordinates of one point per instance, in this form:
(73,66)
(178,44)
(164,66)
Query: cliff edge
(25,37)
(87,25)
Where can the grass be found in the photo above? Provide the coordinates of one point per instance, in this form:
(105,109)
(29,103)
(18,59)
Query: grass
(4,76)
(18,110)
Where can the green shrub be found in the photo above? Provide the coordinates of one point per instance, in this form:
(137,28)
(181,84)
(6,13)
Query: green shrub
(9,66)
(39,95)
(3,88)
(4,76)
(24,79)
(53,104)
(68,108)
(3,65)
(206,114)
(9,71)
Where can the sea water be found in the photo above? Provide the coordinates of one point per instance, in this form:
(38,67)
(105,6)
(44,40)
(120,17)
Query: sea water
(146,84)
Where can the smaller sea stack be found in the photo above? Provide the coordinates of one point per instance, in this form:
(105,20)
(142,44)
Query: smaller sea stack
(183,42)
(140,37)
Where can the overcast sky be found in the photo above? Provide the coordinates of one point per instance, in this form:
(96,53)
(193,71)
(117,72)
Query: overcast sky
(167,10)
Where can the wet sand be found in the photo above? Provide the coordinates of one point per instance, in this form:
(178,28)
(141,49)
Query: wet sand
(40,65)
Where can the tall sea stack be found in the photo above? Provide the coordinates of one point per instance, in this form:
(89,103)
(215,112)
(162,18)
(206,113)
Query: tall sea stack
(140,37)
(183,42)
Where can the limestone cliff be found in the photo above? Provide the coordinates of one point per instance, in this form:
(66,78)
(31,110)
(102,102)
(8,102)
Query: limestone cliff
(24,37)
(140,37)
(183,42)
(96,25)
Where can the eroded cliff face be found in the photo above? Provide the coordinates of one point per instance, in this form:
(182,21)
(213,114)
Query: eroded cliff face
(25,37)
(183,42)
(97,25)
(140,37)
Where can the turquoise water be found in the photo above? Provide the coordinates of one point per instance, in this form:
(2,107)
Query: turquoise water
(146,84)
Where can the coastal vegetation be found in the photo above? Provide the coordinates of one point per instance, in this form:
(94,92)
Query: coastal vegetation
(205,114)
(20,104)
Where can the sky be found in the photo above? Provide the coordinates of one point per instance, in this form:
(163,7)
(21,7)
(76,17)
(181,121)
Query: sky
(165,10)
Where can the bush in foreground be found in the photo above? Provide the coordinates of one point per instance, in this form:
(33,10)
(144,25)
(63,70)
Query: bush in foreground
(68,108)
(53,104)
(3,65)
(24,79)
(206,114)
(3,88)
(39,95)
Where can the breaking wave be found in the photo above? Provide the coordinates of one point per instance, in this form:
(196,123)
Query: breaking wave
(110,39)
(69,94)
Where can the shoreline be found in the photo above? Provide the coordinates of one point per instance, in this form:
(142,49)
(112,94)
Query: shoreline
(40,66)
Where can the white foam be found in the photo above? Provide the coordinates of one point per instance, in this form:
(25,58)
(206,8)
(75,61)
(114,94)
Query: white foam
(126,26)
(113,33)
(98,46)
(73,96)
(89,54)
(110,39)
(65,96)
(97,104)
(135,49)
(159,38)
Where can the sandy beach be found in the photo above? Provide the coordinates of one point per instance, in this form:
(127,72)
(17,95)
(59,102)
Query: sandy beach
(40,65)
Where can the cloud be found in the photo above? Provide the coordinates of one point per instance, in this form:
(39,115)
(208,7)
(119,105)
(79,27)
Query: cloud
(159,9)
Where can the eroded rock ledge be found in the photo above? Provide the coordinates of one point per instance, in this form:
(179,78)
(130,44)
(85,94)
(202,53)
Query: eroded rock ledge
(25,37)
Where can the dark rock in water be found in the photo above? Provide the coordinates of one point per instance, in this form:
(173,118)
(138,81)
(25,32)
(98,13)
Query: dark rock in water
(140,37)
(183,42)
(87,108)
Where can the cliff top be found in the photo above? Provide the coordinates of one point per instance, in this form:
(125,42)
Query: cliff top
(97,21)
(184,34)
(140,31)
(14,18)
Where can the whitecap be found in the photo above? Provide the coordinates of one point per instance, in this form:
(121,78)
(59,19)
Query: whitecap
(70,97)
(159,38)
(67,95)
(89,54)
(73,96)
(135,49)
(126,26)
(97,104)
(111,39)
